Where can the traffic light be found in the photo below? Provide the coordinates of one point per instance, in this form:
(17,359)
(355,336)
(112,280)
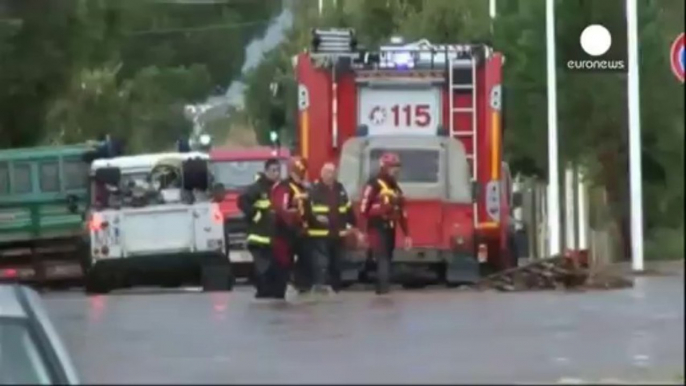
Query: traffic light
(274,139)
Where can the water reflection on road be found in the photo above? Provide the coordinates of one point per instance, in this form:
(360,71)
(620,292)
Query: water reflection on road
(434,336)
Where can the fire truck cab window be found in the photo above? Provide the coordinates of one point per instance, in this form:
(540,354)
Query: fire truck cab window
(418,166)
(237,175)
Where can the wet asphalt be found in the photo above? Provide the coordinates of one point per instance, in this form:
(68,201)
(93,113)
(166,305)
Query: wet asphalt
(433,335)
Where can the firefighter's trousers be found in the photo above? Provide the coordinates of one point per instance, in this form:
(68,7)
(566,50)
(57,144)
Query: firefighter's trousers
(382,248)
(303,268)
(271,277)
(327,254)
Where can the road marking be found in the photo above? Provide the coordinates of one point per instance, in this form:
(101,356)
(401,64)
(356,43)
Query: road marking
(571,381)
(641,360)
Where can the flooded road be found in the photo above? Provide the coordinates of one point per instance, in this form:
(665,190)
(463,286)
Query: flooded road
(434,336)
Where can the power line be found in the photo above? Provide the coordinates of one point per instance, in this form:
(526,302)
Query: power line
(227,26)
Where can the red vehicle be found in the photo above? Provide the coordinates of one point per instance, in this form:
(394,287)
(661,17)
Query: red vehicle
(439,108)
(236,169)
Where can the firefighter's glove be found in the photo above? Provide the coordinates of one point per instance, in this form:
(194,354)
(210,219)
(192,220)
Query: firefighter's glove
(407,242)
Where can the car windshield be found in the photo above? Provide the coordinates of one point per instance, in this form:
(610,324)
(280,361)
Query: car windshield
(20,358)
(140,190)
(418,165)
(236,175)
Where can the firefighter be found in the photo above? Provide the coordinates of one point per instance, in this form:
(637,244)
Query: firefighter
(330,220)
(255,203)
(289,198)
(383,208)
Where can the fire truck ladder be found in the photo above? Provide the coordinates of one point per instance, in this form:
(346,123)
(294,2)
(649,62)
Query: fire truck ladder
(456,132)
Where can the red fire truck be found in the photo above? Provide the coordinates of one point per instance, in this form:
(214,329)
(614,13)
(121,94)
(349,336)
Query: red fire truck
(439,108)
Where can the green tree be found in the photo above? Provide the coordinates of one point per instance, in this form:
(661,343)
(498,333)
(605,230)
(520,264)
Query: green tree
(74,68)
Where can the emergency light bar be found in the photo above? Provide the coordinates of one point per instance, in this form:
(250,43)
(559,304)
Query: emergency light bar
(418,55)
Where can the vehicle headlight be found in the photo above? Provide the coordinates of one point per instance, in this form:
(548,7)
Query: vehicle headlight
(205,140)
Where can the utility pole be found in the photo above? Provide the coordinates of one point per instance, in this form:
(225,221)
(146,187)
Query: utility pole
(635,178)
(553,162)
(492,13)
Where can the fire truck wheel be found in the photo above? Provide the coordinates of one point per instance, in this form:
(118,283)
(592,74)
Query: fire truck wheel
(96,284)
(217,277)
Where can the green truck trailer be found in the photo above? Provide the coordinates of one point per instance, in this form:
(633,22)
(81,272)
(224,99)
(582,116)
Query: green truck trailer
(43,199)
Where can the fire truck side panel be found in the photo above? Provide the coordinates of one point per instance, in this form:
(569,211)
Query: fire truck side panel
(314,105)
(494,209)
(347,112)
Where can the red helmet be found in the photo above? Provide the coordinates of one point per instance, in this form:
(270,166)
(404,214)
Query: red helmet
(298,166)
(388,160)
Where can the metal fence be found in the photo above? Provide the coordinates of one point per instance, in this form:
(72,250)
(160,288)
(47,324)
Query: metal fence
(586,225)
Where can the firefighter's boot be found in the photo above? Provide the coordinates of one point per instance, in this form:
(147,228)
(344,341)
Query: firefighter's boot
(383,275)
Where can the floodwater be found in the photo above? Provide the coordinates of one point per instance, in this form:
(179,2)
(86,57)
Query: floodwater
(419,336)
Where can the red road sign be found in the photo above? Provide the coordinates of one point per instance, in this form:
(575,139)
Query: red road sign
(677,56)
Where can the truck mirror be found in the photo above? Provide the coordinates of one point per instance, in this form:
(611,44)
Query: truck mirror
(476,190)
(218,192)
(517,199)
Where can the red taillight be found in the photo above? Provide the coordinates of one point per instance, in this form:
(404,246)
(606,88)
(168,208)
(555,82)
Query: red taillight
(9,273)
(217,215)
(95,223)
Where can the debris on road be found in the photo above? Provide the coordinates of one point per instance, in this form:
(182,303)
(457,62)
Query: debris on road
(554,273)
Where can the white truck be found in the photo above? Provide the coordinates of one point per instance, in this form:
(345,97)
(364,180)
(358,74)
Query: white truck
(154,220)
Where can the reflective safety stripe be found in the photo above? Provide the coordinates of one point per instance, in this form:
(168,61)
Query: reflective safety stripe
(298,193)
(299,198)
(257,216)
(386,192)
(344,208)
(320,209)
(385,189)
(323,232)
(318,232)
(259,239)
(325,209)
(262,204)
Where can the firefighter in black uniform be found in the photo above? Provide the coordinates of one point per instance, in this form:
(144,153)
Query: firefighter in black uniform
(383,208)
(330,220)
(255,203)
